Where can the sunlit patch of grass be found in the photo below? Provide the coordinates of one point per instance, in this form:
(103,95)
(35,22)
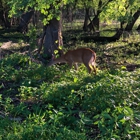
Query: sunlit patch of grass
(13,34)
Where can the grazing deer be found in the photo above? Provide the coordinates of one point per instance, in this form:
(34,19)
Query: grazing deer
(81,55)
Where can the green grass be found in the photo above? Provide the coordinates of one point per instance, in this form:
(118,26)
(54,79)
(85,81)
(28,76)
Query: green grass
(58,103)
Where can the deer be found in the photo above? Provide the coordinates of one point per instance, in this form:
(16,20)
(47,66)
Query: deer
(80,55)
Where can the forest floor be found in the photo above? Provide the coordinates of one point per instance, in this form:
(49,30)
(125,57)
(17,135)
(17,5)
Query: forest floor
(39,102)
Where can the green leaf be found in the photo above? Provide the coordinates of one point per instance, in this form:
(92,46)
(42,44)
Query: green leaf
(55,51)
(75,79)
(123,67)
(106,116)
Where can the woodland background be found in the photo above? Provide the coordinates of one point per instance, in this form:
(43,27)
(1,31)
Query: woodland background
(40,102)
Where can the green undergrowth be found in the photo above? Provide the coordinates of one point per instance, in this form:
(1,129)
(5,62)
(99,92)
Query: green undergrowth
(56,103)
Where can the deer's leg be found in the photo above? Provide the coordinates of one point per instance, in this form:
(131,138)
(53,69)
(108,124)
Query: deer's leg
(70,64)
(88,67)
(94,67)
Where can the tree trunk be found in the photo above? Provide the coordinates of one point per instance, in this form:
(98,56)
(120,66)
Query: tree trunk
(69,15)
(53,38)
(118,34)
(85,27)
(25,19)
(4,14)
(138,27)
(4,18)
(40,40)
(94,24)
(122,25)
(131,24)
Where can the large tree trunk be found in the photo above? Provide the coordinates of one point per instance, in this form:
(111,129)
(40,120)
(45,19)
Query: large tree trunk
(69,13)
(87,17)
(53,38)
(131,24)
(94,24)
(4,19)
(4,14)
(25,19)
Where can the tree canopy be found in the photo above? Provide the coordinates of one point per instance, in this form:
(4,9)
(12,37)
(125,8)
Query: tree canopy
(121,10)
(48,8)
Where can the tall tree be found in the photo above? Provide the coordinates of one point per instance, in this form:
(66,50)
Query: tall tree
(24,21)
(4,13)
(51,18)
(96,7)
(132,22)
(124,11)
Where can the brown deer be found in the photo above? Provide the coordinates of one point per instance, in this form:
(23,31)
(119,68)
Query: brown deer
(81,55)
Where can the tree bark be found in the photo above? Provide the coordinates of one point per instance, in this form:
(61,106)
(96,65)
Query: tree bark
(138,27)
(118,34)
(53,38)
(95,22)
(40,40)
(25,19)
(69,15)
(4,19)
(4,14)
(131,24)
(85,27)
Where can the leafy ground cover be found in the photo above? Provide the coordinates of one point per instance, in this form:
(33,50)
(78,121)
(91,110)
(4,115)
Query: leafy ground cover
(39,102)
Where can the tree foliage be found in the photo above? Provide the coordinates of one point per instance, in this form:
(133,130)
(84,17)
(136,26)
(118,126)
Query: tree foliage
(121,10)
(48,8)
